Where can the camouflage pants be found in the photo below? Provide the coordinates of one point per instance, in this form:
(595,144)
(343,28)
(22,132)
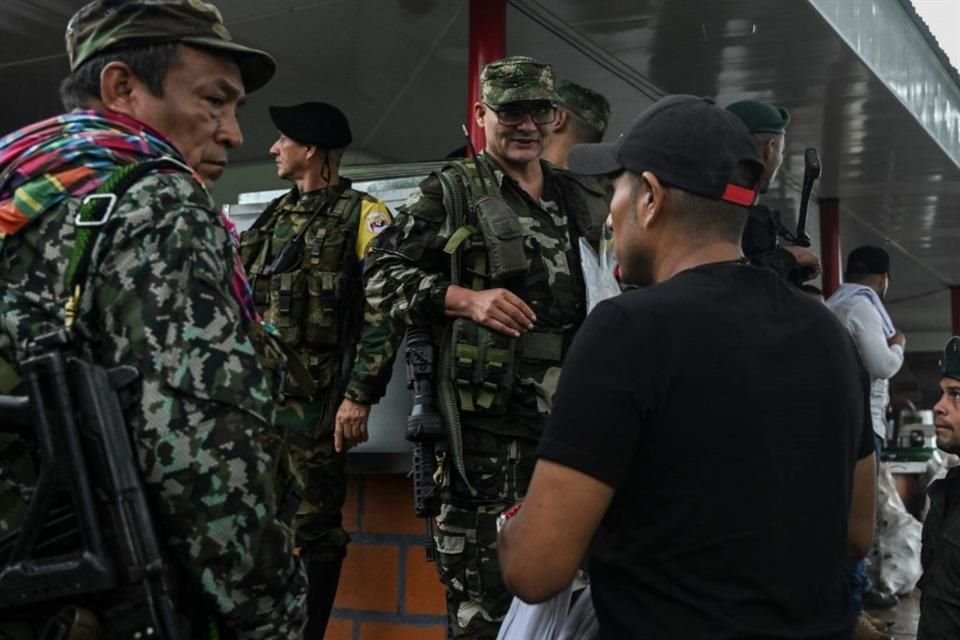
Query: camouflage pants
(311,480)
(499,468)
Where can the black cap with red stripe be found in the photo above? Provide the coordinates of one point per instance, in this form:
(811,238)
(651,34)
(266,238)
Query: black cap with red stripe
(687,142)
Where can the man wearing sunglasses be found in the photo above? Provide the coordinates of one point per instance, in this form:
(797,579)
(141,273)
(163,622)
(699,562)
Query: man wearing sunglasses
(485,256)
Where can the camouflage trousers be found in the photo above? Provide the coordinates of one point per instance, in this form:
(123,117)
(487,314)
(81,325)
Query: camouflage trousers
(311,480)
(499,467)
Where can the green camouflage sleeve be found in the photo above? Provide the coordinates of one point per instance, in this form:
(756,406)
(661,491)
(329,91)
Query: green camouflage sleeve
(407,272)
(375,355)
(380,336)
(162,297)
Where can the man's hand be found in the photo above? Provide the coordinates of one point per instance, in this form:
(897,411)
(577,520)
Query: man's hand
(350,425)
(496,309)
(897,338)
(807,260)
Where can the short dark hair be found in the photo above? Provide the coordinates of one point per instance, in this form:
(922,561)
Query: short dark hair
(701,217)
(150,63)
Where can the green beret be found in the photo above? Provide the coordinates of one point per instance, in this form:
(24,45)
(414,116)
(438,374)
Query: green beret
(516,79)
(761,117)
(951,359)
(105,25)
(586,104)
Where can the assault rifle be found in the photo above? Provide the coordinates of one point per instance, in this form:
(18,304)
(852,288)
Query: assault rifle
(424,428)
(87,542)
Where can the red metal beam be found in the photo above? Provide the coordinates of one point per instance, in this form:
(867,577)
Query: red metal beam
(955,310)
(488,42)
(830,258)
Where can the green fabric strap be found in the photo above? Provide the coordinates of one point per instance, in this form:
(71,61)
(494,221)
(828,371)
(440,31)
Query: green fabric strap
(92,209)
(458,237)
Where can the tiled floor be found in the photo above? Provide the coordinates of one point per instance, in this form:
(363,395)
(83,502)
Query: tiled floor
(904,616)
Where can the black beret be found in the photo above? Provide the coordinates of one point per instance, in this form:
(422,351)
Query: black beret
(316,123)
(868,260)
(761,117)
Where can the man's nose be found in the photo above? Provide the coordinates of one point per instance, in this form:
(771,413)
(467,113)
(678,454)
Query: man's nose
(229,133)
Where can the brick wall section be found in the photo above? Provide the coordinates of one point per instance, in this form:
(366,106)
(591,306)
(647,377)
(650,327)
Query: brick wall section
(388,591)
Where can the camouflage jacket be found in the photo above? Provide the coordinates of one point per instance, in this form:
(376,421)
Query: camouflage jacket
(940,555)
(596,193)
(408,273)
(158,298)
(325,327)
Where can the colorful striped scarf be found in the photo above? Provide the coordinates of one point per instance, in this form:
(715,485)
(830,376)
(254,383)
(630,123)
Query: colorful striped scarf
(43,164)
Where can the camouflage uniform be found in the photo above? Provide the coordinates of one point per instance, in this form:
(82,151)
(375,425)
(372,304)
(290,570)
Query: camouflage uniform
(159,299)
(592,109)
(407,278)
(348,348)
(162,295)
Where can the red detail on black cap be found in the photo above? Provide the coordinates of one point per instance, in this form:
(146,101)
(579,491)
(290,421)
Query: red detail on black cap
(739,195)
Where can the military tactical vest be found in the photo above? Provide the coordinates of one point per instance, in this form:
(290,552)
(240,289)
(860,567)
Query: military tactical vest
(314,301)
(487,365)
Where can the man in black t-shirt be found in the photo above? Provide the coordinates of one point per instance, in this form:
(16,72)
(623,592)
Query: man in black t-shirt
(720,493)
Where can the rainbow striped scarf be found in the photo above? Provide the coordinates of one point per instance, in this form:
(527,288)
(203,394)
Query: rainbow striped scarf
(70,155)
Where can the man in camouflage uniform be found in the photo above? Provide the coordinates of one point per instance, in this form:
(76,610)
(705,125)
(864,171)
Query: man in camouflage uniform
(503,292)
(582,118)
(315,298)
(163,293)
(940,584)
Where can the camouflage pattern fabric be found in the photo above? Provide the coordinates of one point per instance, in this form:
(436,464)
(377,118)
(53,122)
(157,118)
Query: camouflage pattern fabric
(584,103)
(516,79)
(103,25)
(406,278)
(324,326)
(499,468)
(158,298)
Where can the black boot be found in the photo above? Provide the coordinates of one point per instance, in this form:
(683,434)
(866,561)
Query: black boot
(323,574)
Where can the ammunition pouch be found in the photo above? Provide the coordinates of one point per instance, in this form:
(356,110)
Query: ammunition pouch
(484,367)
(308,301)
(503,237)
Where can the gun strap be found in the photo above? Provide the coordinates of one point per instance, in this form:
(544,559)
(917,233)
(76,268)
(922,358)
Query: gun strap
(95,210)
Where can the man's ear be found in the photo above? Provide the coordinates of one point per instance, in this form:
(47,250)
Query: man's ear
(651,197)
(479,111)
(119,87)
(769,151)
(560,122)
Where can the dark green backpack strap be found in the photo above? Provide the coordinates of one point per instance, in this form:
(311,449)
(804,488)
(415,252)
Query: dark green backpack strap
(95,210)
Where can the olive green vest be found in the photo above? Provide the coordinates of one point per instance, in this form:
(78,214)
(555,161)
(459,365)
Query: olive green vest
(314,301)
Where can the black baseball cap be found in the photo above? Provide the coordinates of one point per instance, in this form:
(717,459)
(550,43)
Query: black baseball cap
(687,142)
(316,123)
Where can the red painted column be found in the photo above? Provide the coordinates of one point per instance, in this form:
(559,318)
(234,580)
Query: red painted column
(830,258)
(955,310)
(488,42)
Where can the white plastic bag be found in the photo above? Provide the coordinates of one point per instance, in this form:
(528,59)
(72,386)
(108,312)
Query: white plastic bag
(598,273)
(896,554)
(554,619)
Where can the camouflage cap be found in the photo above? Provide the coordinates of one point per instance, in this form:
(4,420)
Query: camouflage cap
(951,359)
(515,79)
(104,25)
(586,104)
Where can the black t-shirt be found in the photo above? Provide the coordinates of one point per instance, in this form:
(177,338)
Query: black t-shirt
(728,410)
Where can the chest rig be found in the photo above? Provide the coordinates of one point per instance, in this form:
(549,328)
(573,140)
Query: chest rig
(487,250)
(306,278)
